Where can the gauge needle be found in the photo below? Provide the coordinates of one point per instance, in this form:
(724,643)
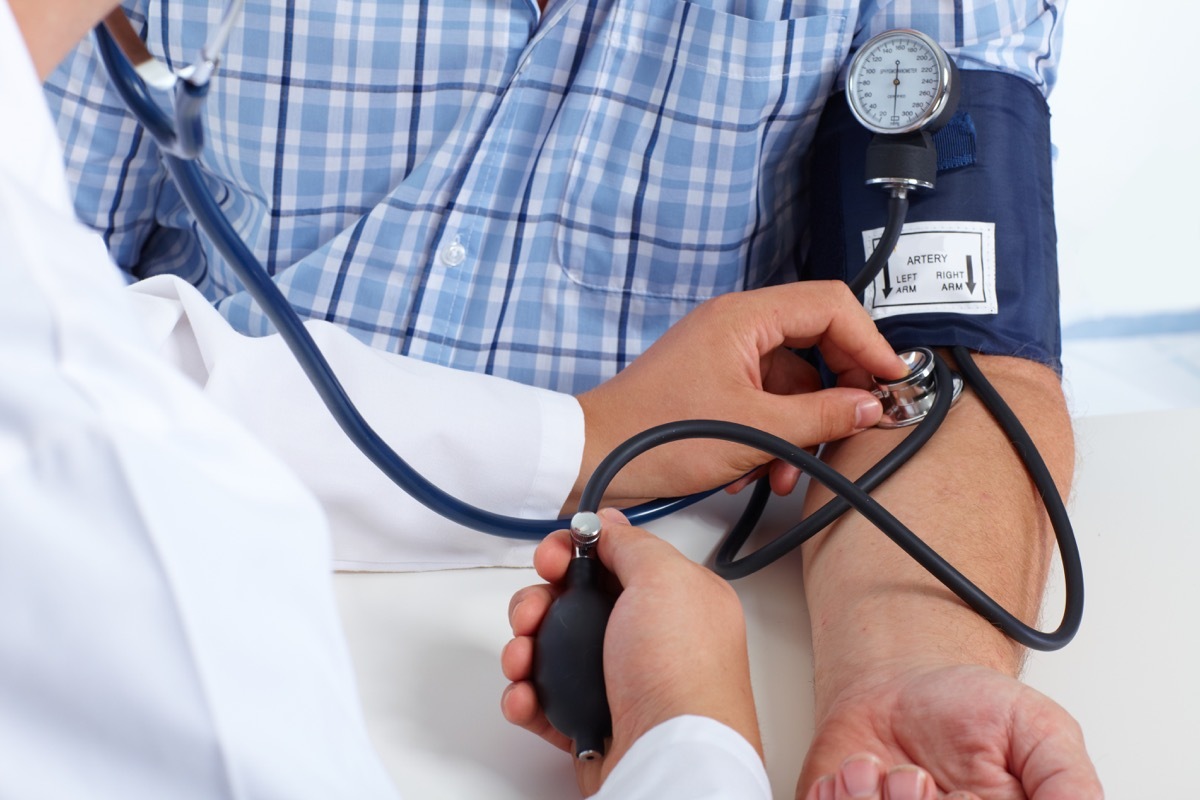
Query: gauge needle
(895,88)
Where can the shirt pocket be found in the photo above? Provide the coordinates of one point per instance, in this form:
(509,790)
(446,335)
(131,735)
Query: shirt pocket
(683,109)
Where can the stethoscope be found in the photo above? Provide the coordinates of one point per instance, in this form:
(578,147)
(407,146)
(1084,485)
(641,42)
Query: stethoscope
(134,72)
(568,669)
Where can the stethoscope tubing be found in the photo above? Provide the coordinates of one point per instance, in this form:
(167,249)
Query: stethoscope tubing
(862,502)
(181,144)
(189,181)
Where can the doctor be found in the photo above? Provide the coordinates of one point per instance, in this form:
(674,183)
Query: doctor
(168,625)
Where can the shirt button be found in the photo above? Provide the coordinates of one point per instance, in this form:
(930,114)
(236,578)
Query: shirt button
(454,254)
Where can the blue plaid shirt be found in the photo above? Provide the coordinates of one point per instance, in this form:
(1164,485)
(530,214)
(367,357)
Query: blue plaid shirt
(475,185)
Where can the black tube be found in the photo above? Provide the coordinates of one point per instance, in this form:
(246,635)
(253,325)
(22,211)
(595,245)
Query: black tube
(1060,521)
(862,502)
(728,566)
(897,211)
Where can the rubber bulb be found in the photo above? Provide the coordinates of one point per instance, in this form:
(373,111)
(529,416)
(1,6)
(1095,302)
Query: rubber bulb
(568,658)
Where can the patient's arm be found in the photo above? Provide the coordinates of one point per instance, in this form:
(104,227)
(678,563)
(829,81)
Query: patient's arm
(890,642)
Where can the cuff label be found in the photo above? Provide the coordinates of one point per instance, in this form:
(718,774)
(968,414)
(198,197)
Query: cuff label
(937,267)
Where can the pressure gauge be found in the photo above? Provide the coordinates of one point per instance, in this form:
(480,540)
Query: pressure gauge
(901,81)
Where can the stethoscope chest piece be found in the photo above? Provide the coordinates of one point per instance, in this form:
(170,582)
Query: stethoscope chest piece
(907,401)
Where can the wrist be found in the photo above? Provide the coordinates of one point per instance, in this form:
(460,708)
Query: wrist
(606,424)
(885,638)
(596,445)
(731,703)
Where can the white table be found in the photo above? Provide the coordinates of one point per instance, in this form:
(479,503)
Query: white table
(426,645)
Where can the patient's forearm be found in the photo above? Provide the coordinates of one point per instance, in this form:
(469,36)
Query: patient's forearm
(874,610)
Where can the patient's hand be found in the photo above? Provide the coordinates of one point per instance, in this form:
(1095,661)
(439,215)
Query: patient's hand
(969,729)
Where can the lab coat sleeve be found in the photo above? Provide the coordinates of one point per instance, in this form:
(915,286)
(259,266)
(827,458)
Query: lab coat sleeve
(688,758)
(499,445)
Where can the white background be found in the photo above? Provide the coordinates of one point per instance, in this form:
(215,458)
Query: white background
(1124,119)
(1127,178)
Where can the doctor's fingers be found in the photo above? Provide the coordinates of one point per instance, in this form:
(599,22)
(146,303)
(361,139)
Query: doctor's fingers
(844,363)
(637,557)
(552,555)
(519,701)
(629,553)
(784,372)
(784,476)
(816,417)
(825,314)
(528,606)
(516,658)
(520,707)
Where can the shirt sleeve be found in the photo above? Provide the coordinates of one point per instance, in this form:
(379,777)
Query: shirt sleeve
(502,446)
(688,758)
(1018,37)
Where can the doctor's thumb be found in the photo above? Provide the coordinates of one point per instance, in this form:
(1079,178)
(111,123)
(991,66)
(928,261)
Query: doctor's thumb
(819,417)
(630,553)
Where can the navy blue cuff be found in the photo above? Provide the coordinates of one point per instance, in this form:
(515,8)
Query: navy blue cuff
(994,166)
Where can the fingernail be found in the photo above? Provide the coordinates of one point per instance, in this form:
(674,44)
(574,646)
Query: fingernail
(906,783)
(512,618)
(860,776)
(824,789)
(613,515)
(867,413)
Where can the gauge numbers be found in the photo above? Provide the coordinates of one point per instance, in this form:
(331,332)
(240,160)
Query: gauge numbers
(898,82)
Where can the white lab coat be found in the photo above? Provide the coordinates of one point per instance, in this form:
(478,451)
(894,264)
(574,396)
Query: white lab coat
(167,625)
(499,445)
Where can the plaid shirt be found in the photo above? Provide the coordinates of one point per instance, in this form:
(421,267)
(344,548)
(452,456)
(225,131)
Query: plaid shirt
(474,185)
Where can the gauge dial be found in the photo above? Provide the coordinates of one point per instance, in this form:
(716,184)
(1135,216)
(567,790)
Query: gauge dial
(900,81)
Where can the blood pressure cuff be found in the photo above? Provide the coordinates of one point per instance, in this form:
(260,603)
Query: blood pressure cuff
(976,264)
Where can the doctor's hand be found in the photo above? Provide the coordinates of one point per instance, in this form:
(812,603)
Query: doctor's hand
(947,731)
(675,644)
(729,360)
